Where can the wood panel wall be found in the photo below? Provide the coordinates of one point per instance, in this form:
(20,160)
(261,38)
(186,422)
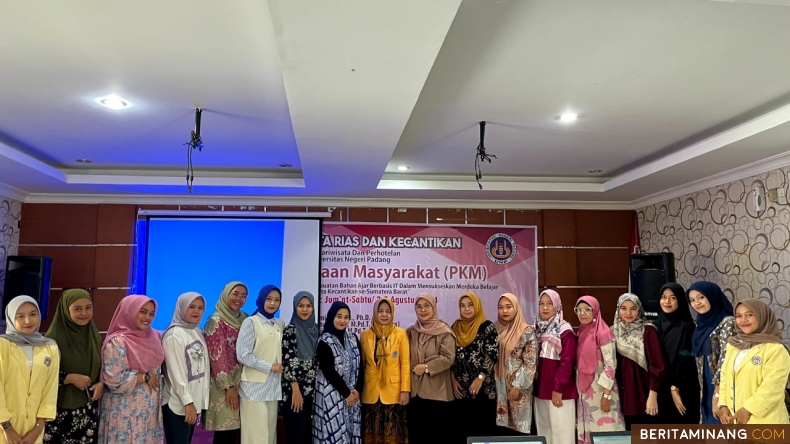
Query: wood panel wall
(580,251)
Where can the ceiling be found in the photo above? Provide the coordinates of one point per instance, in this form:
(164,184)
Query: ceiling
(670,95)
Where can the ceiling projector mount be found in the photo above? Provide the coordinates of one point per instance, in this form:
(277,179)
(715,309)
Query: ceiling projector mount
(195,143)
(481,155)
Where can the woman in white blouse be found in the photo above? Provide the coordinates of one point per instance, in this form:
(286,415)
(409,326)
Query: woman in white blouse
(259,350)
(186,384)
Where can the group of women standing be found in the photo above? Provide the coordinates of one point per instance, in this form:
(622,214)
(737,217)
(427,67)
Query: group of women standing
(430,383)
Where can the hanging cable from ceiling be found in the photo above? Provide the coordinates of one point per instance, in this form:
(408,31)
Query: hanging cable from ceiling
(195,143)
(481,155)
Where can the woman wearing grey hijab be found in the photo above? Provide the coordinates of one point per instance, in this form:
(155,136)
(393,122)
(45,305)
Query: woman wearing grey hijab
(29,366)
(300,338)
(187,377)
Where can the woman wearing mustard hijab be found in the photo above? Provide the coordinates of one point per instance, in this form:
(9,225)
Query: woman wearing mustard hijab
(387,386)
(474,386)
(80,366)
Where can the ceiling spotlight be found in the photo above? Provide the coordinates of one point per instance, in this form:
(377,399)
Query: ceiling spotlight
(567,117)
(113,102)
(285,165)
(84,161)
(594,171)
(403,168)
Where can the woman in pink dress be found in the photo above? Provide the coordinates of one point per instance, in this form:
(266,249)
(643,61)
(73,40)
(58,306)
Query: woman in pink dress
(222,330)
(132,356)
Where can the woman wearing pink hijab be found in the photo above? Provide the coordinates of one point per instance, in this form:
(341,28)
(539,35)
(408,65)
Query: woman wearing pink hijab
(132,356)
(598,409)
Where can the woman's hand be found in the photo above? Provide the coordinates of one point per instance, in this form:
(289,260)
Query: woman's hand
(419,369)
(32,436)
(352,398)
(742,416)
(724,415)
(678,401)
(513,394)
(474,389)
(456,389)
(232,398)
(11,436)
(153,382)
(714,404)
(80,381)
(404,398)
(190,414)
(652,403)
(277,368)
(97,390)
(297,402)
(556,399)
(606,405)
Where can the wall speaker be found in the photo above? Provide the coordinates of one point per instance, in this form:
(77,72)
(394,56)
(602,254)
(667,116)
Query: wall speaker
(29,275)
(649,272)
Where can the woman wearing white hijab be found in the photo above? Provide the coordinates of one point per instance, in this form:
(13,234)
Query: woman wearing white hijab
(29,366)
(187,381)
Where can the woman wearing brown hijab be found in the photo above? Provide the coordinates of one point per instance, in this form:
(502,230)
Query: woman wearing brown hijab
(432,349)
(474,387)
(755,369)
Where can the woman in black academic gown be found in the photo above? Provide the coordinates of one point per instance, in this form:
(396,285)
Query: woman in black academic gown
(678,398)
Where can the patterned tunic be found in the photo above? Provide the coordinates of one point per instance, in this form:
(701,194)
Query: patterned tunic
(521,365)
(225,373)
(333,421)
(130,412)
(718,345)
(295,369)
(589,416)
(478,357)
(76,426)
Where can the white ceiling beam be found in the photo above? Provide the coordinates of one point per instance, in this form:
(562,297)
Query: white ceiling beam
(755,126)
(29,161)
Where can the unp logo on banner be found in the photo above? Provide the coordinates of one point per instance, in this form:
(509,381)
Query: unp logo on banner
(501,248)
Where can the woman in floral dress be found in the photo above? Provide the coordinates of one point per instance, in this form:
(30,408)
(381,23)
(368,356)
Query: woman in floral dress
(222,330)
(80,367)
(515,370)
(476,355)
(598,409)
(132,356)
(300,339)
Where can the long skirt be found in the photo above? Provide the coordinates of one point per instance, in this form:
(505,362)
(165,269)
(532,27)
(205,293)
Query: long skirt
(384,424)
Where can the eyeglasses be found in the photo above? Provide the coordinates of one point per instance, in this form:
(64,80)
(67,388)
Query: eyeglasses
(583,310)
(422,307)
(238,295)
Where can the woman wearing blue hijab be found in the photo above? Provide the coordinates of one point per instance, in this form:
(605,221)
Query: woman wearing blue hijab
(715,325)
(259,350)
(337,417)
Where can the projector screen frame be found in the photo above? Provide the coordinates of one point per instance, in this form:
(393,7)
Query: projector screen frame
(137,282)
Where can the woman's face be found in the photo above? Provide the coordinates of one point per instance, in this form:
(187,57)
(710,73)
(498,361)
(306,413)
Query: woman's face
(237,297)
(81,311)
(699,302)
(27,318)
(272,303)
(423,309)
(342,319)
(506,310)
(304,309)
(545,307)
(584,313)
(195,311)
(746,319)
(669,302)
(628,311)
(146,315)
(384,313)
(467,308)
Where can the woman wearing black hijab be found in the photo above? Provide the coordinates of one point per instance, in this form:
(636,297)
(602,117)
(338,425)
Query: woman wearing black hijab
(678,398)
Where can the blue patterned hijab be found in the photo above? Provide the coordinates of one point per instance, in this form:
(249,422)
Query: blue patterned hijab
(720,308)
